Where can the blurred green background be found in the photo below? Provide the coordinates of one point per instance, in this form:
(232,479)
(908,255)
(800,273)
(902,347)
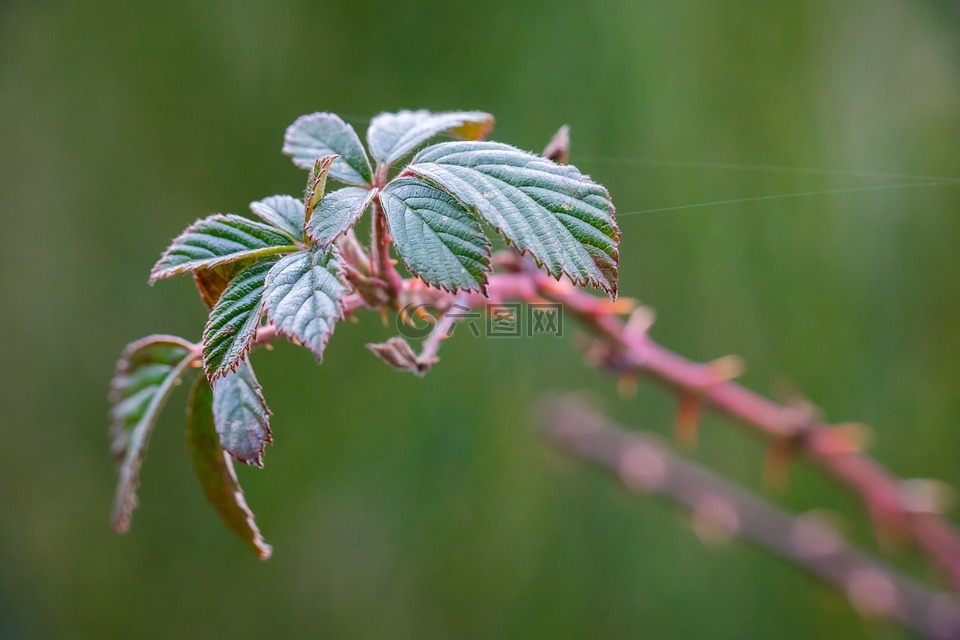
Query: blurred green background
(429,508)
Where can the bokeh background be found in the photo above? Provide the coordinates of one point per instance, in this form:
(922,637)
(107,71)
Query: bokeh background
(429,508)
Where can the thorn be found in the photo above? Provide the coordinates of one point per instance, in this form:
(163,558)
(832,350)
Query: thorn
(618,307)
(641,319)
(627,384)
(726,368)
(383,316)
(925,495)
(776,463)
(847,437)
(688,421)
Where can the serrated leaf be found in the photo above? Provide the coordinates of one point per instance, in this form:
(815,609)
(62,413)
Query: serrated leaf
(215,471)
(283,212)
(241,416)
(438,240)
(302,297)
(146,373)
(336,213)
(563,218)
(217,240)
(233,321)
(324,134)
(393,135)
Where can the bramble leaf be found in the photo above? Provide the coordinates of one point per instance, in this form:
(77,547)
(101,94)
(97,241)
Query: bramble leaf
(241,416)
(324,134)
(217,240)
(393,135)
(337,212)
(302,297)
(215,471)
(145,375)
(234,319)
(438,240)
(564,219)
(283,212)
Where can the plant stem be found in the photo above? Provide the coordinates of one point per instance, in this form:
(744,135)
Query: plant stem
(721,509)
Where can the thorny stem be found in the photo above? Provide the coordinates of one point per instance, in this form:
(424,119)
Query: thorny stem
(721,510)
(382,263)
(624,349)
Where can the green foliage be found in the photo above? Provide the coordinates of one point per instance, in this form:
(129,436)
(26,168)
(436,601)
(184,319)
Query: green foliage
(298,266)
(218,240)
(234,320)
(303,297)
(324,134)
(241,416)
(337,213)
(215,470)
(393,135)
(146,373)
(564,219)
(437,238)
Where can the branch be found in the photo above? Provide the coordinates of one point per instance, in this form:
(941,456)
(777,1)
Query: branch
(625,349)
(722,508)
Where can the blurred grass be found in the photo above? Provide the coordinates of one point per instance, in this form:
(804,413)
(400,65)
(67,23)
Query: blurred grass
(401,507)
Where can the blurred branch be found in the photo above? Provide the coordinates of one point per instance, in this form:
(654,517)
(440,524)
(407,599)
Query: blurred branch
(624,349)
(722,509)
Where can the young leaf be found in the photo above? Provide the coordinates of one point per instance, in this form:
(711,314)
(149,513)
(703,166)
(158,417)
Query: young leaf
(234,319)
(397,353)
(316,186)
(337,212)
(302,297)
(393,135)
(145,375)
(564,219)
(215,471)
(323,134)
(217,240)
(241,416)
(437,238)
(283,212)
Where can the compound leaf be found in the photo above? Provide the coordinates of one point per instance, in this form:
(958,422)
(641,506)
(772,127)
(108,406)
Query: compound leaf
(438,240)
(146,373)
(393,135)
(302,297)
(323,134)
(336,213)
(215,471)
(217,240)
(233,322)
(564,219)
(240,415)
(283,212)
(212,281)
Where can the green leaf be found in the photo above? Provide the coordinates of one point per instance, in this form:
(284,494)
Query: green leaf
(393,135)
(234,320)
(217,240)
(146,373)
(283,212)
(215,471)
(325,134)
(564,219)
(241,416)
(336,213)
(302,297)
(437,239)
